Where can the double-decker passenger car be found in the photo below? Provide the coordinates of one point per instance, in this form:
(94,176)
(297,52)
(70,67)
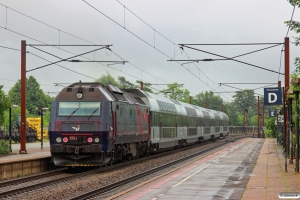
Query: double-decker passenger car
(96,125)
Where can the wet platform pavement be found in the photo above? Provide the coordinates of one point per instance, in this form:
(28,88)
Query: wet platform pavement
(249,169)
(269,176)
(34,151)
(222,174)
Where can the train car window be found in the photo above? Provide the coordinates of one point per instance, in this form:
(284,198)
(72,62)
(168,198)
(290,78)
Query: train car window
(130,113)
(79,109)
(121,111)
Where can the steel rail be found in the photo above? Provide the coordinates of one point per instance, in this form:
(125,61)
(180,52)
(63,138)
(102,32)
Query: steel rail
(101,190)
(14,192)
(30,178)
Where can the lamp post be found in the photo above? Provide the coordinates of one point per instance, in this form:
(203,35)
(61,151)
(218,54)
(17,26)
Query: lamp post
(13,106)
(41,113)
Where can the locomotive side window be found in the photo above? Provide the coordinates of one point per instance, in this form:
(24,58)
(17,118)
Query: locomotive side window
(79,109)
(130,112)
(121,111)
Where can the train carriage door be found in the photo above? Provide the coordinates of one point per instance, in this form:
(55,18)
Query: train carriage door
(176,118)
(120,124)
(200,126)
(113,123)
(155,126)
(131,119)
(138,120)
(160,126)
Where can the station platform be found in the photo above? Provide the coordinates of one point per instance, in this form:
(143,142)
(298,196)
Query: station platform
(252,168)
(34,151)
(269,177)
(36,160)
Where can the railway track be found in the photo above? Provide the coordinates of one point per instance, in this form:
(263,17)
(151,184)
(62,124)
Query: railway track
(18,181)
(56,181)
(101,190)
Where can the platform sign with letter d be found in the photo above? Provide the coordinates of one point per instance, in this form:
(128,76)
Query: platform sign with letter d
(272,96)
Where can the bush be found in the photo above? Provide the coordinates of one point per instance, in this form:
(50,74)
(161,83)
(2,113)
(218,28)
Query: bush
(4,147)
(271,129)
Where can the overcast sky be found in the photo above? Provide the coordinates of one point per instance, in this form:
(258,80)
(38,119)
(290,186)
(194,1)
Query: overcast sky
(147,47)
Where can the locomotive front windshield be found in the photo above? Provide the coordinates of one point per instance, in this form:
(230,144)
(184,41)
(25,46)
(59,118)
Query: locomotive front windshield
(79,109)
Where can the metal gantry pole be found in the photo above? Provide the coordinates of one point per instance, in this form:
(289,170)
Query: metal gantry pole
(10,129)
(23,99)
(258,125)
(277,126)
(41,111)
(286,85)
(279,85)
(285,133)
(263,119)
(290,129)
(297,131)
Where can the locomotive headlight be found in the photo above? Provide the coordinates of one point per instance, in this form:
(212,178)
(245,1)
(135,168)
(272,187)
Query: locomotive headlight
(79,95)
(96,139)
(90,139)
(58,139)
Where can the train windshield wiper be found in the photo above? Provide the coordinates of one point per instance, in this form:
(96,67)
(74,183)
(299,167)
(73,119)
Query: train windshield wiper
(93,113)
(73,112)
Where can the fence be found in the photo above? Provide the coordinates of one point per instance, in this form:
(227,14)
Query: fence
(246,130)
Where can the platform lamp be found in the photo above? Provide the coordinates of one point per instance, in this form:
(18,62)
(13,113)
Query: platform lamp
(13,106)
(42,112)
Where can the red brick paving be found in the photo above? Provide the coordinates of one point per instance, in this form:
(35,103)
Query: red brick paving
(269,177)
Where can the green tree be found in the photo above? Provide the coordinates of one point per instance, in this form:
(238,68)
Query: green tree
(35,97)
(175,92)
(4,104)
(125,84)
(246,103)
(107,79)
(15,112)
(231,110)
(206,98)
(122,83)
(245,99)
(295,26)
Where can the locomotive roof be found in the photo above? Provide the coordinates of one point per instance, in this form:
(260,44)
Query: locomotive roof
(156,102)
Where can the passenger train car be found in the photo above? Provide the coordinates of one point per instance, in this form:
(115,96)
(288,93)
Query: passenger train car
(94,125)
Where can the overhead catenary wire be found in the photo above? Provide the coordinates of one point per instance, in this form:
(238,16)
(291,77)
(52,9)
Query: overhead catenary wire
(68,34)
(68,52)
(10,48)
(159,34)
(126,29)
(141,38)
(64,59)
(145,22)
(59,35)
(63,67)
(232,59)
(276,44)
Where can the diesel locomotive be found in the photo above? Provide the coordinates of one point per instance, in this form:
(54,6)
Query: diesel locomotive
(95,125)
